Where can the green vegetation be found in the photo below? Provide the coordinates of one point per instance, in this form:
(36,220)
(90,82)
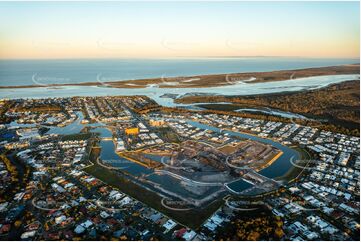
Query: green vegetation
(221,107)
(192,218)
(258,225)
(40,108)
(10,167)
(19,173)
(5,105)
(79,136)
(168,135)
(339,104)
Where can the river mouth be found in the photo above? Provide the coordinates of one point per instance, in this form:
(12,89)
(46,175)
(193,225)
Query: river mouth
(165,96)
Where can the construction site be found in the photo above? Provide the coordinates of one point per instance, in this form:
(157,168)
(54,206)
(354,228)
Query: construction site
(197,172)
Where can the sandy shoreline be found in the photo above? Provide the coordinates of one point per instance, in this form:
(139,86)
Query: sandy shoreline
(215,79)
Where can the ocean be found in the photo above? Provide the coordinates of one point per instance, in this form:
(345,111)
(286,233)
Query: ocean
(43,72)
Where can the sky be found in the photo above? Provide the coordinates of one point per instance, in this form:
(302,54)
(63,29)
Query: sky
(41,30)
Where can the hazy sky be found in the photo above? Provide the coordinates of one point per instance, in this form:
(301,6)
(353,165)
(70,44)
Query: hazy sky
(188,29)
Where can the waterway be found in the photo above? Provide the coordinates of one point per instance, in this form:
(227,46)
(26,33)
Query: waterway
(278,168)
(158,94)
(272,112)
(109,156)
(72,128)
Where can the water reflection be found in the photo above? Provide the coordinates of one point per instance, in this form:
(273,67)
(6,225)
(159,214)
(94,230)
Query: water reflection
(278,168)
(166,182)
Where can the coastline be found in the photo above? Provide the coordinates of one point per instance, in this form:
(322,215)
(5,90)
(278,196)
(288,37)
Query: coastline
(212,80)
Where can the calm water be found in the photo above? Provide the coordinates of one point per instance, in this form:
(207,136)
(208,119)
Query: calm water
(108,155)
(239,185)
(156,93)
(73,128)
(277,168)
(272,112)
(31,72)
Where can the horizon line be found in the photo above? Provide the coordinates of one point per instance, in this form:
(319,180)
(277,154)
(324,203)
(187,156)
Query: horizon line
(181,57)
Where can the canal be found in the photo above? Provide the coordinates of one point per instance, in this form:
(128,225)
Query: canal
(108,155)
(278,168)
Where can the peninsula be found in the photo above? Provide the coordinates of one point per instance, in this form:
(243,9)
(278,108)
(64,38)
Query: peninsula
(215,80)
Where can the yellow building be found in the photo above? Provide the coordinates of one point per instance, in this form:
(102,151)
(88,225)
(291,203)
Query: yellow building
(156,122)
(132,131)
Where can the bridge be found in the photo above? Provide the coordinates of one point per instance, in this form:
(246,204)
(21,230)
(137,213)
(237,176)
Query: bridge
(107,138)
